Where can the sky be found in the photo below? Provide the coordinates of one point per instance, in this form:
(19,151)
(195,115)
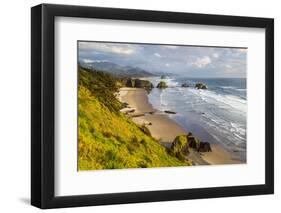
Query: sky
(190,61)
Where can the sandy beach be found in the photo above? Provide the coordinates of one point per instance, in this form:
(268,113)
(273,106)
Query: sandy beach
(219,156)
(161,126)
(165,129)
(137,99)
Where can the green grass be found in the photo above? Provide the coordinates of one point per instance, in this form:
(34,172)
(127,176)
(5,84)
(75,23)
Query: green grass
(107,139)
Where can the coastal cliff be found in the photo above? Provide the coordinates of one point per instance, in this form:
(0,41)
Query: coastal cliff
(118,128)
(107,138)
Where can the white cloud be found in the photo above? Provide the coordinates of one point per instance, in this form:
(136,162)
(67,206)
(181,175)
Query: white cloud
(202,62)
(125,49)
(157,55)
(122,50)
(209,61)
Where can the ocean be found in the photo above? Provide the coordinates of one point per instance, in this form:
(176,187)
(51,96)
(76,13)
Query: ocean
(217,115)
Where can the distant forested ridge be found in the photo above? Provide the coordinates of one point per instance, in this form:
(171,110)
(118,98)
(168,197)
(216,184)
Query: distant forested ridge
(117,70)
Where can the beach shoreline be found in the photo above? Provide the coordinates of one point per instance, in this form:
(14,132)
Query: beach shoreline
(164,129)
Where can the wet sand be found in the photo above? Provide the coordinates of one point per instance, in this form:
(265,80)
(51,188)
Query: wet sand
(161,127)
(165,129)
(219,156)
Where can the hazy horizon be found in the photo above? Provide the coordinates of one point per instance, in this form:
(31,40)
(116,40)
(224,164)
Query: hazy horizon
(190,61)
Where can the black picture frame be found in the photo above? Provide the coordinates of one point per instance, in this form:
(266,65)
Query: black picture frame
(43,105)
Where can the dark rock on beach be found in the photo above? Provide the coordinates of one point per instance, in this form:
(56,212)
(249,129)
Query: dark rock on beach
(124,105)
(183,143)
(169,112)
(129,83)
(204,147)
(193,142)
(138,83)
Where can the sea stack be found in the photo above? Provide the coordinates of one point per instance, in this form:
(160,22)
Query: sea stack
(129,83)
(200,86)
(184,85)
(143,84)
(162,85)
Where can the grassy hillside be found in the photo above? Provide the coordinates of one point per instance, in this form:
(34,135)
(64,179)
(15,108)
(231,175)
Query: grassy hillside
(107,138)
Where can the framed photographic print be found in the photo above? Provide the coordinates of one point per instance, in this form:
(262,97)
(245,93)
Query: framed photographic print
(139,106)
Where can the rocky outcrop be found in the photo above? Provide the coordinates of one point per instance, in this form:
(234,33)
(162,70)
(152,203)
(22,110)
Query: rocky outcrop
(200,86)
(124,105)
(129,83)
(180,147)
(162,85)
(143,84)
(138,83)
(204,147)
(169,112)
(184,85)
(183,143)
(193,142)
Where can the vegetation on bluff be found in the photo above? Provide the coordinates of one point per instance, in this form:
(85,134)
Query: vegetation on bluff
(107,139)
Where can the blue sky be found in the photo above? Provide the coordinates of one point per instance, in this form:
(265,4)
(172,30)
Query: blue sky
(191,61)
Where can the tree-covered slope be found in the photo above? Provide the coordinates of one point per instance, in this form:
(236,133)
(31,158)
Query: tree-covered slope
(107,139)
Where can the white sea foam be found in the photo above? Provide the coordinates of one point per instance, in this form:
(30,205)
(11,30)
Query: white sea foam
(237,128)
(222,100)
(221,114)
(170,82)
(228,87)
(163,100)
